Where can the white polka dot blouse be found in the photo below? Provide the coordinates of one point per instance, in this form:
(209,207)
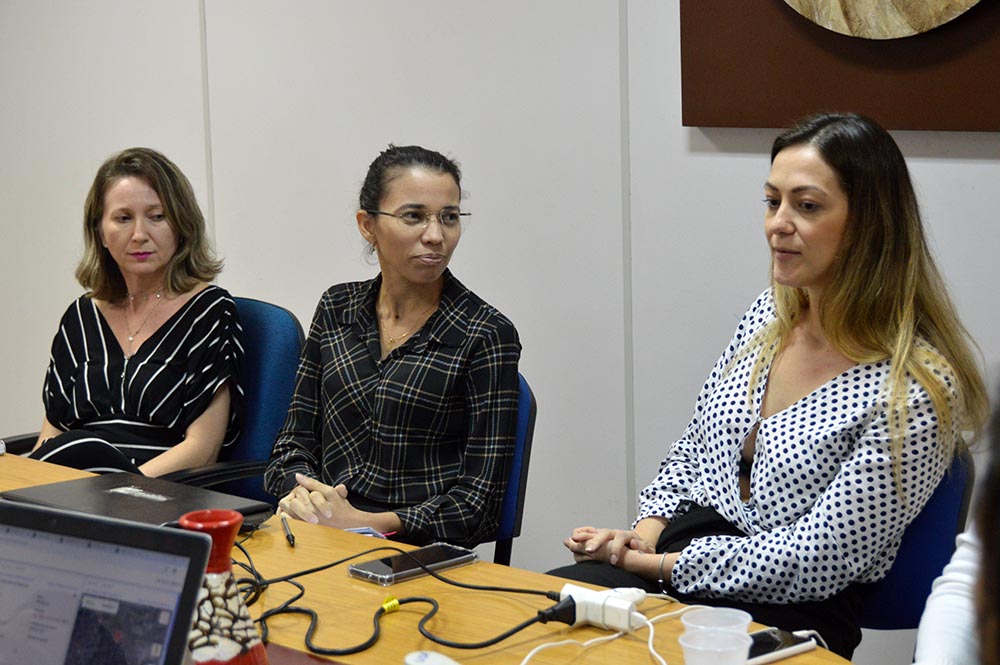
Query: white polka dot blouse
(823,511)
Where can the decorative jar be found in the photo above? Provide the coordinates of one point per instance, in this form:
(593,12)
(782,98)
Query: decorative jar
(223,632)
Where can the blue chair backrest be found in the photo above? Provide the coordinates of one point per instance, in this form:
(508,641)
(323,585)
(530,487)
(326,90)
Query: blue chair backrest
(272,341)
(897,601)
(512,507)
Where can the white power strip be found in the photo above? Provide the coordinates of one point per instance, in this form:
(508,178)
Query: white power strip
(612,609)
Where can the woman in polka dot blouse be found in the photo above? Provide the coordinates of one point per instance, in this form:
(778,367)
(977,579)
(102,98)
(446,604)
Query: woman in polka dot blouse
(831,416)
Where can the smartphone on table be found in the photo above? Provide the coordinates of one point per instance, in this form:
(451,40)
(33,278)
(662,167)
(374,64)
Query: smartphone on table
(773,644)
(398,567)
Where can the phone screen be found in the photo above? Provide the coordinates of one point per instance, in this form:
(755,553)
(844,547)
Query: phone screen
(400,566)
(773,640)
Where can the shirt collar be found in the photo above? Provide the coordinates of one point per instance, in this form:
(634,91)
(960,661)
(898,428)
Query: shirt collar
(450,323)
(447,326)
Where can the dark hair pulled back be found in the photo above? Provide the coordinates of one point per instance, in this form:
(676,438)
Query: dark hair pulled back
(392,160)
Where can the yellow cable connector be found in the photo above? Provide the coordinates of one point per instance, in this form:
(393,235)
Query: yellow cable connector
(390,604)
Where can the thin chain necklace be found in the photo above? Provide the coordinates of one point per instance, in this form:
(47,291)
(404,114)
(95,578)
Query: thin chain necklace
(128,324)
(398,339)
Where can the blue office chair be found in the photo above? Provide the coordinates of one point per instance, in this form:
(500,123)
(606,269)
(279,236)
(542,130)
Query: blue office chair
(513,499)
(896,601)
(272,341)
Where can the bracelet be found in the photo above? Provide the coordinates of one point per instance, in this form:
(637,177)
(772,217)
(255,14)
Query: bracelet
(660,580)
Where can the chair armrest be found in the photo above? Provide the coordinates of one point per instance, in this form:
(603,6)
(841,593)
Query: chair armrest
(20,444)
(214,474)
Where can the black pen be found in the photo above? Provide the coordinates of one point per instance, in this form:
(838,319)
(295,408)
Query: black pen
(289,536)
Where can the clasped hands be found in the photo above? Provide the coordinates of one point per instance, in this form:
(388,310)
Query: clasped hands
(316,502)
(622,548)
(588,543)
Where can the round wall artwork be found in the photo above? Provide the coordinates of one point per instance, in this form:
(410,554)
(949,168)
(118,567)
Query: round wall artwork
(880,19)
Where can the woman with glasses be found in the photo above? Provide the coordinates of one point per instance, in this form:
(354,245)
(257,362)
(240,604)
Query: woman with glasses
(405,402)
(831,416)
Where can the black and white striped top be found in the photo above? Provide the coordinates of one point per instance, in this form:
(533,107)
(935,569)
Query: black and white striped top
(150,399)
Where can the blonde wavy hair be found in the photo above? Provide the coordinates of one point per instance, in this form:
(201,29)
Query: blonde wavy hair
(887,298)
(193,262)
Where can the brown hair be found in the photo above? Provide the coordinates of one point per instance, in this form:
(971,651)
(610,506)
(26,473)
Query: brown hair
(887,298)
(194,260)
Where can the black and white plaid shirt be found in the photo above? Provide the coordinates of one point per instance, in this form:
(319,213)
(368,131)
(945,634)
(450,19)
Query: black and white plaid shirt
(427,433)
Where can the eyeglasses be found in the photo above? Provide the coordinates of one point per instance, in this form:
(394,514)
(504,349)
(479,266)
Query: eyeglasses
(449,218)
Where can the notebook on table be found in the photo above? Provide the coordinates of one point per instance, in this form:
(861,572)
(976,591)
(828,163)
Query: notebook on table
(78,588)
(137,498)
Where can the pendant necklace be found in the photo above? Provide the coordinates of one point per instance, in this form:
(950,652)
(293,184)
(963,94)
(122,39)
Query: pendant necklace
(128,324)
(392,341)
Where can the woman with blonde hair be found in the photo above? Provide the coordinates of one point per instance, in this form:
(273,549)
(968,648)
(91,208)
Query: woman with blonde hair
(831,416)
(144,374)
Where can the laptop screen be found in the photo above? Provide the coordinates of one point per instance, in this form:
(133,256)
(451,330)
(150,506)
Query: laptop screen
(80,589)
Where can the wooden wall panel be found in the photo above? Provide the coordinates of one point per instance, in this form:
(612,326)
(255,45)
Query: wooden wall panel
(757,63)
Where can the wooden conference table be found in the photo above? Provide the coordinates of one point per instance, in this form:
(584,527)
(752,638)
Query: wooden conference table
(346,605)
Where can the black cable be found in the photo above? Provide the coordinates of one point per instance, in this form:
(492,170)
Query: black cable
(462,645)
(251,594)
(280,609)
(551,595)
(253,587)
(327,651)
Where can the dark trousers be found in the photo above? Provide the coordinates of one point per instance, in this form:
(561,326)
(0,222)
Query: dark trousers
(835,618)
(83,449)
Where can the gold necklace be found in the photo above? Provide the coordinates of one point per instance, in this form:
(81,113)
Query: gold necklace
(393,341)
(128,324)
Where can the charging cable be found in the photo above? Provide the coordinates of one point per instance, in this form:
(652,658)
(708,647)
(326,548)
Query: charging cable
(813,635)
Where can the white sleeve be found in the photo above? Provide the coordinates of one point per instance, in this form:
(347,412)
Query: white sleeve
(850,534)
(947,633)
(679,472)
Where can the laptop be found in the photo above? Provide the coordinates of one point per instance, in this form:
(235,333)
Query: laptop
(137,498)
(78,588)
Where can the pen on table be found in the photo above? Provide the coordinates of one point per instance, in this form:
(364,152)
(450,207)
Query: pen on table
(289,536)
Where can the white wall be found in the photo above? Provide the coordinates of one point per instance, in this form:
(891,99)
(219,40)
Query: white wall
(699,256)
(78,81)
(303,100)
(624,246)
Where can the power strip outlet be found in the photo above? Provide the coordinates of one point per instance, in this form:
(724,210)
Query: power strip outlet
(610,609)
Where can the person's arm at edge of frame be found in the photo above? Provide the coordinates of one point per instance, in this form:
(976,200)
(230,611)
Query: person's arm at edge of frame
(947,632)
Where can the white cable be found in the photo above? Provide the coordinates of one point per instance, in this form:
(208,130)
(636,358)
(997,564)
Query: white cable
(652,650)
(588,600)
(813,634)
(588,643)
(676,613)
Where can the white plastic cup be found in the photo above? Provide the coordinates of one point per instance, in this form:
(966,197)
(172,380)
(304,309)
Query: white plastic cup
(716,618)
(715,647)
